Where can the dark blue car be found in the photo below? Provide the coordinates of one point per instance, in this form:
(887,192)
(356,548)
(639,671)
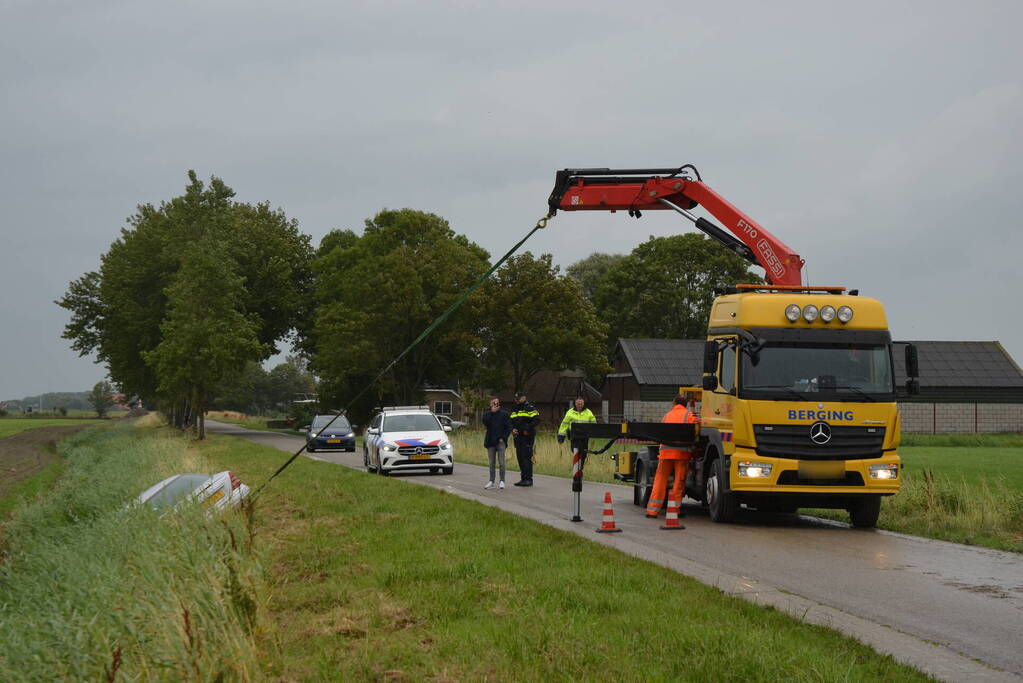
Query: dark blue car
(338,436)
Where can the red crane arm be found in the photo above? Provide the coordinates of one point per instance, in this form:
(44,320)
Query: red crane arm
(637,190)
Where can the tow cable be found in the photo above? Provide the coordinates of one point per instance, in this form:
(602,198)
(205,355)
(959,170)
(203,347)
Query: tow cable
(540,225)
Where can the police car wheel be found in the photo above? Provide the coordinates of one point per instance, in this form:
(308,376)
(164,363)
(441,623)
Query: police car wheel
(448,470)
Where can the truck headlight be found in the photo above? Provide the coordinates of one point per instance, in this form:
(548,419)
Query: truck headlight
(390,447)
(754,469)
(809,313)
(884,471)
(827,313)
(845,314)
(792,312)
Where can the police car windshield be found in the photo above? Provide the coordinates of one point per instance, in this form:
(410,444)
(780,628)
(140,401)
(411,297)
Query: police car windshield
(846,372)
(416,422)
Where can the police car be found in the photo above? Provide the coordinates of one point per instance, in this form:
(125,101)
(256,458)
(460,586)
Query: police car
(407,438)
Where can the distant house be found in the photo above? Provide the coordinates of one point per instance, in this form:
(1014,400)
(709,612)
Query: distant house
(443,401)
(966,386)
(551,392)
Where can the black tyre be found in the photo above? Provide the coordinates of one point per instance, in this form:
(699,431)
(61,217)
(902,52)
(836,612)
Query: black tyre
(642,487)
(365,460)
(448,470)
(310,448)
(722,506)
(864,512)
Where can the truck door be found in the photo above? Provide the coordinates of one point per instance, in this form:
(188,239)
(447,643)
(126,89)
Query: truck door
(719,404)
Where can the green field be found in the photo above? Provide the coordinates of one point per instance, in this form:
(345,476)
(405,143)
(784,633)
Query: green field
(10,426)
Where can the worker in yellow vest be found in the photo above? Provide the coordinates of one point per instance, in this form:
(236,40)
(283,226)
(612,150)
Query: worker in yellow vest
(578,414)
(671,461)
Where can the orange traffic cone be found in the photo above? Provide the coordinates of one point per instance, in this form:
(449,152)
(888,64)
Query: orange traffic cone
(671,522)
(607,524)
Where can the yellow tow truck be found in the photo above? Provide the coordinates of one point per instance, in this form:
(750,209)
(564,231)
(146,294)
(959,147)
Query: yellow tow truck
(798,404)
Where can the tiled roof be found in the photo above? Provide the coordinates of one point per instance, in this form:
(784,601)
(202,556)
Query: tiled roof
(960,364)
(677,362)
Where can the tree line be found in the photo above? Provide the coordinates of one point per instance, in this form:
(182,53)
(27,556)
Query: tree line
(196,293)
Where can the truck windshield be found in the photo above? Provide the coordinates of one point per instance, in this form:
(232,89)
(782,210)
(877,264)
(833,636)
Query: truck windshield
(844,372)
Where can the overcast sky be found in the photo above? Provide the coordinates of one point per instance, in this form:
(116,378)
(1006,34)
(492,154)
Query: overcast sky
(880,140)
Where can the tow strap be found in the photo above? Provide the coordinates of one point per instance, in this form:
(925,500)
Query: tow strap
(540,224)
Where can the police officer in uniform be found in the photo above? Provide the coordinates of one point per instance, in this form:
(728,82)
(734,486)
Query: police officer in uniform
(524,420)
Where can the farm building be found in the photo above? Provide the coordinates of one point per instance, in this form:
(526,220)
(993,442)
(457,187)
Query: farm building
(964,386)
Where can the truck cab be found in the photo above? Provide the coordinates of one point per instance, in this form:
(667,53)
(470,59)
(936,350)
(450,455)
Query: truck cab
(799,404)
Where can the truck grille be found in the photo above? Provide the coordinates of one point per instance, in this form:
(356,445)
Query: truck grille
(791,478)
(415,450)
(793,441)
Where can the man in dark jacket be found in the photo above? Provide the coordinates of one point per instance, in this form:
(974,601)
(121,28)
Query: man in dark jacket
(495,440)
(524,421)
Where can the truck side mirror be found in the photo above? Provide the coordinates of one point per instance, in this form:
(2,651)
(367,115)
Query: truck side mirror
(710,382)
(710,358)
(912,363)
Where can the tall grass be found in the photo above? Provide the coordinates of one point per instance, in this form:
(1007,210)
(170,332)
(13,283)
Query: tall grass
(1004,440)
(92,589)
(549,457)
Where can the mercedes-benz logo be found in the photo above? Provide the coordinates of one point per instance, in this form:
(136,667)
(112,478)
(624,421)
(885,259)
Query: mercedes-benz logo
(820,433)
(419,449)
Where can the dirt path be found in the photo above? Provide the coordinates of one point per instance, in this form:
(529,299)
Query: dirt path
(28,453)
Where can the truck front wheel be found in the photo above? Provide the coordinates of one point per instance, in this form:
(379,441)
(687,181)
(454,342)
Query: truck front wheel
(721,505)
(864,512)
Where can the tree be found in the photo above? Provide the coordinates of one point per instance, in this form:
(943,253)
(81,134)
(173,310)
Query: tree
(535,319)
(665,287)
(119,311)
(375,293)
(205,336)
(591,269)
(102,398)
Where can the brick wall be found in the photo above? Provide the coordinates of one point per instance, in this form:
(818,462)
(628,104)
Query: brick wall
(945,418)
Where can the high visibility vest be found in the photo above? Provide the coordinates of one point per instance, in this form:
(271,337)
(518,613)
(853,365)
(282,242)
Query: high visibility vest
(678,413)
(573,415)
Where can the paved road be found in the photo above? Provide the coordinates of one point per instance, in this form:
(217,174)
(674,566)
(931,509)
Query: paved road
(941,607)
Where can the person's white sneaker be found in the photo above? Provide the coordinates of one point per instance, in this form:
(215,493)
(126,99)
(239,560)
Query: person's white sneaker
(490,485)
(501,485)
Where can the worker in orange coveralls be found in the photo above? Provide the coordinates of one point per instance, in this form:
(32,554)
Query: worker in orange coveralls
(671,461)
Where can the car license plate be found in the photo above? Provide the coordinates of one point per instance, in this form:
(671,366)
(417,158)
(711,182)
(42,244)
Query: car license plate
(214,498)
(815,469)
(420,456)
(333,440)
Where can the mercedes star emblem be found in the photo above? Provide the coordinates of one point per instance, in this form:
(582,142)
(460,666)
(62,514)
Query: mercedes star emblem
(820,433)
(419,449)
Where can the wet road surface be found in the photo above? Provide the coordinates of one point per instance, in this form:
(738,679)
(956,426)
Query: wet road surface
(935,605)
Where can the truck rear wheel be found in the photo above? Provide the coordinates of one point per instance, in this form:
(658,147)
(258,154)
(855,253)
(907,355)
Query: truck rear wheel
(641,487)
(865,511)
(722,505)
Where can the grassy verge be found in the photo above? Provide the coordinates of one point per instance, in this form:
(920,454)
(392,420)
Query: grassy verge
(29,489)
(374,579)
(93,590)
(249,421)
(10,426)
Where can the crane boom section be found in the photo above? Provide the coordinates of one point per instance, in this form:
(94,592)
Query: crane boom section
(629,190)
